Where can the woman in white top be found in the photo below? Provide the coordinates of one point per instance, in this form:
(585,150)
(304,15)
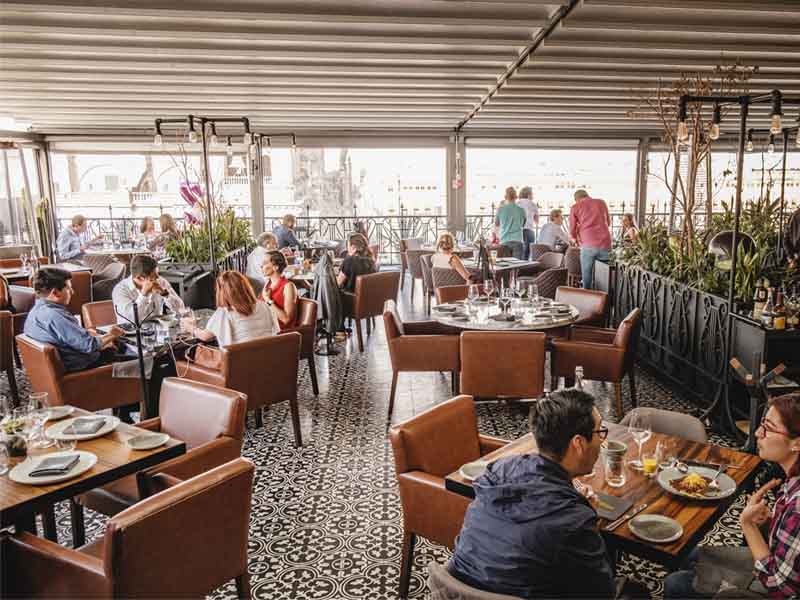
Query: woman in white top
(444,257)
(239,316)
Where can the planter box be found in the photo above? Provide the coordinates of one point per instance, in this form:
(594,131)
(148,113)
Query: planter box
(683,329)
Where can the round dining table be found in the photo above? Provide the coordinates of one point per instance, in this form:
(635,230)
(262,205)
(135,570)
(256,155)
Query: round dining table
(540,317)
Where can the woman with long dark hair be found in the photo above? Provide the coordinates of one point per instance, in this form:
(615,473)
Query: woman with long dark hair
(279,293)
(359,261)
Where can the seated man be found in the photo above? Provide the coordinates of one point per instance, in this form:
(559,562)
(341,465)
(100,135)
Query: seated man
(144,288)
(50,322)
(529,533)
(69,243)
(284,233)
(554,233)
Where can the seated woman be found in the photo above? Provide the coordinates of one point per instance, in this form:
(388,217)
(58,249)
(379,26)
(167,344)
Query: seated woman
(444,257)
(767,565)
(279,293)
(629,231)
(148,230)
(359,261)
(239,316)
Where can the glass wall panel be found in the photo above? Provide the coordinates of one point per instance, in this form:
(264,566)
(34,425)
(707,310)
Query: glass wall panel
(553,175)
(16,214)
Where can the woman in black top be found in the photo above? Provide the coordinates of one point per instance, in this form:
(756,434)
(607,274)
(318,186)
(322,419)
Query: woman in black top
(359,261)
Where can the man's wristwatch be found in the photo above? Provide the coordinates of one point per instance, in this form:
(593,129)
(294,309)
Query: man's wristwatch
(269,302)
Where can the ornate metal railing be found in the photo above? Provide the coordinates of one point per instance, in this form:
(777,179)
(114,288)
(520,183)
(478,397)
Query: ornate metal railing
(683,329)
(235,260)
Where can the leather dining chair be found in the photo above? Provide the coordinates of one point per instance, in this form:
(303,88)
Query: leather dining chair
(418,346)
(548,260)
(520,375)
(19,300)
(307,327)
(98,314)
(264,369)
(7,353)
(444,585)
(604,354)
(186,541)
(209,419)
(453,293)
(371,293)
(82,286)
(90,389)
(413,257)
(591,304)
(427,448)
(442,277)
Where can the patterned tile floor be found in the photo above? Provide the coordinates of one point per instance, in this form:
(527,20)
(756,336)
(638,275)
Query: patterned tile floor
(326,518)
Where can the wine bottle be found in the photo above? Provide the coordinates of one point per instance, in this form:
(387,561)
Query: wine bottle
(759,298)
(779,313)
(767,315)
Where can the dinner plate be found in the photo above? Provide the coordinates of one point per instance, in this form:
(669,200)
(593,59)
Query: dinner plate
(21,473)
(655,528)
(727,486)
(56,431)
(473,470)
(447,308)
(59,412)
(148,441)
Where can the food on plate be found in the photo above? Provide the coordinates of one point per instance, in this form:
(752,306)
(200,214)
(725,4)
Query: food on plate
(692,484)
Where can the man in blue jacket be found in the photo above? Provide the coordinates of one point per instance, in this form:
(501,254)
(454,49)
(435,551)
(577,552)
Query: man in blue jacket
(529,533)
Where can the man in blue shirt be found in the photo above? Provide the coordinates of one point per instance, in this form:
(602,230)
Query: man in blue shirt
(69,244)
(511,220)
(285,233)
(50,322)
(529,533)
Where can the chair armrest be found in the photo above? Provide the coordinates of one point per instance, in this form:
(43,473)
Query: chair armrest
(600,362)
(490,444)
(427,328)
(429,509)
(198,460)
(154,484)
(153,424)
(201,374)
(586,333)
(45,569)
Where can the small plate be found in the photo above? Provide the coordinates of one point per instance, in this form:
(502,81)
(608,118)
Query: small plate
(655,528)
(21,473)
(59,412)
(447,308)
(473,470)
(148,441)
(56,431)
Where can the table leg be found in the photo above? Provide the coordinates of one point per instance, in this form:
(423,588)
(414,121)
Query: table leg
(78,528)
(49,524)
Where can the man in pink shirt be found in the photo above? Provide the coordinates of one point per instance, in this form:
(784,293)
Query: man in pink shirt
(589,225)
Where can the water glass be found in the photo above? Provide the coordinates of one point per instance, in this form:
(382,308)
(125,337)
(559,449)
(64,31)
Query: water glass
(39,411)
(474,293)
(613,453)
(533,293)
(667,454)
(4,459)
(66,445)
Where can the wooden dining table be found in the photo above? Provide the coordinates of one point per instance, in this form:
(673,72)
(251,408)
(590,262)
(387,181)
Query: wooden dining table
(697,517)
(20,503)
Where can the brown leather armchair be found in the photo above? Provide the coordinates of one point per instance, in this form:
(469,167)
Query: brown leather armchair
(453,293)
(591,304)
(371,293)
(82,284)
(97,314)
(209,419)
(418,347)
(604,354)
(519,375)
(7,353)
(264,369)
(426,449)
(307,327)
(183,542)
(91,389)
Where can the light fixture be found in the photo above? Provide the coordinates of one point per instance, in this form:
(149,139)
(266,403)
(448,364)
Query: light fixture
(214,139)
(254,147)
(294,142)
(798,131)
(229,148)
(750,140)
(237,164)
(771,146)
(776,125)
(713,133)
(158,139)
(683,129)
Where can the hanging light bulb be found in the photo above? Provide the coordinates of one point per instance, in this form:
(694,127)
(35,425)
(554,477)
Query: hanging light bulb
(776,125)
(192,136)
(229,147)
(158,140)
(713,132)
(771,146)
(214,139)
(683,129)
(294,142)
(750,141)
(254,147)
(248,138)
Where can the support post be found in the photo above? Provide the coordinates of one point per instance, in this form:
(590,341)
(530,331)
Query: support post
(257,190)
(779,252)
(209,200)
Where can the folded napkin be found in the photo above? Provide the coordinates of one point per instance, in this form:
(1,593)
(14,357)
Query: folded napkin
(508,318)
(611,508)
(55,465)
(85,425)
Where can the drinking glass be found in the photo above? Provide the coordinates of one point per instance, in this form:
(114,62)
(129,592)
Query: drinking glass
(39,411)
(473,293)
(488,287)
(533,293)
(667,454)
(66,445)
(640,429)
(650,461)
(472,310)
(505,299)
(613,453)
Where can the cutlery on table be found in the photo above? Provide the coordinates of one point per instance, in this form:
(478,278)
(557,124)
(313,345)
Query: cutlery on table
(612,526)
(699,463)
(713,485)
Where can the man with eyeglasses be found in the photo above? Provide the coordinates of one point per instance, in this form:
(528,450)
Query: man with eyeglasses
(529,533)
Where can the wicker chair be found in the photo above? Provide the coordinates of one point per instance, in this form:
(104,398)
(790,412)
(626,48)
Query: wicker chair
(427,280)
(547,282)
(415,267)
(538,249)
(443,277)
(572,260)
(405,246)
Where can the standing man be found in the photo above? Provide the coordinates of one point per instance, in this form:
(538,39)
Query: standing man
(527,204)
(511,220)
(589,225)
(69,244)
(285,233)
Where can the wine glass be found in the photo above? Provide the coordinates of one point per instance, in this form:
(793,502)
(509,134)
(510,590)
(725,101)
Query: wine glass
(488,287)
(473,293)
(39,411)
(506,295)
(640,429)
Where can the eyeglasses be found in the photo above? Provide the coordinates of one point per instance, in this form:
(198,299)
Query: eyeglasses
(602,433)
(771,429)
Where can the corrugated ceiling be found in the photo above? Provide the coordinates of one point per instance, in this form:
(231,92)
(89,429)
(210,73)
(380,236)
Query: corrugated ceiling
(397,65)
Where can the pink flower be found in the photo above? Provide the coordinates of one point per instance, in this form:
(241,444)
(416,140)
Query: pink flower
(191,193)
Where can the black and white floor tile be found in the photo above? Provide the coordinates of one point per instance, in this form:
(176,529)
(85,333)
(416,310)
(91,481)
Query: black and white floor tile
(326,519)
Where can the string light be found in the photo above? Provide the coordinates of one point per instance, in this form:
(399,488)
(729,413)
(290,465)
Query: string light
(750,141)
(158,139)
(713,133)
(214,139)
(776,126)
(771,146)
(254,147)
(683,129)
(229,148)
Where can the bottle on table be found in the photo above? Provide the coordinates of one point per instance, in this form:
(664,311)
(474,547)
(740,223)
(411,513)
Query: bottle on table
(579,378)
(793,310)
(759,299)
(767,315)
(779,313)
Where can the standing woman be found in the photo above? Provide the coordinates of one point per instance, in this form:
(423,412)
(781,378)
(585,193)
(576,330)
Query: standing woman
(629,230)
(444,258)
(359,261)
(279,292)
(769,565)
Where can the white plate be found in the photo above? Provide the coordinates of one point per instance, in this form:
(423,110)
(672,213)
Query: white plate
(56,431)
(473,470)
(148,441)
(21,473)
(655,528)
(727,486)
(59,412)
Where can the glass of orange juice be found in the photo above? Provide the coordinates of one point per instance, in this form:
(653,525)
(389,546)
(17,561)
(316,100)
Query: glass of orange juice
(650,461)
